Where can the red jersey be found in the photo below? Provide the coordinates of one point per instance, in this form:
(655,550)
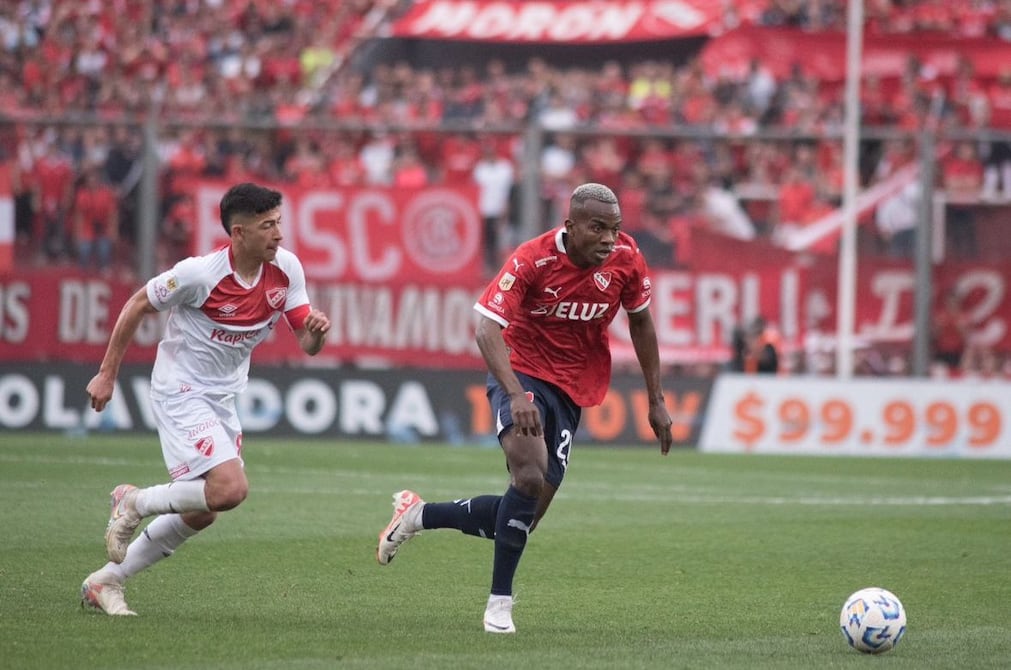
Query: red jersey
(556,314)
(95,206)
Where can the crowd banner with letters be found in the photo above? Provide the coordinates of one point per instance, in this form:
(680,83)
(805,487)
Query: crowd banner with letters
(862,417)
(373,235)
(558,21)
(64,314)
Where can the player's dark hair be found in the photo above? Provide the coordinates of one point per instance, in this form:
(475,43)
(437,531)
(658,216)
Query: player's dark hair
(249,199)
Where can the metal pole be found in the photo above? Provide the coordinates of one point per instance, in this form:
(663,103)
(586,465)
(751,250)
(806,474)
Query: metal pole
(922,299)
(846,299)
(530,195)
(147,214)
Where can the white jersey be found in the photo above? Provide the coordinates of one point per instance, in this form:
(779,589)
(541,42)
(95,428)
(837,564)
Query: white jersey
(216,320)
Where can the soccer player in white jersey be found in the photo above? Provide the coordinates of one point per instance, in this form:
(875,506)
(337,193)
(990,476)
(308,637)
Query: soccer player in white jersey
(543,335)
(220,307)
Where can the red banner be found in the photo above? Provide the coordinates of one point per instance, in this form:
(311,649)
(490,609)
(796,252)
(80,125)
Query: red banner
(885,294)
(823,54)
(432,235)
(66,316)
(559,22)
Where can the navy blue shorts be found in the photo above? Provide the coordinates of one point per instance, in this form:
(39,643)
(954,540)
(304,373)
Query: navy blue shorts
(559,418)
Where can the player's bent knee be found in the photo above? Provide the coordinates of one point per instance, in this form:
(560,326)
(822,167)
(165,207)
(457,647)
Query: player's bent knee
(199,520)
(228,497)
(529,482)
(226,494)
(226,487)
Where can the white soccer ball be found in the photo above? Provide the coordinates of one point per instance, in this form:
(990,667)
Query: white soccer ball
(873,620)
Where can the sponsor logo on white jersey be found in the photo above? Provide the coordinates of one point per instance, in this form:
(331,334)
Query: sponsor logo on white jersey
(202,427)
(231,337)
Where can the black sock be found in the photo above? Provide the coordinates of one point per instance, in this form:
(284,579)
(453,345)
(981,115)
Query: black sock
(473,516)
(515,516)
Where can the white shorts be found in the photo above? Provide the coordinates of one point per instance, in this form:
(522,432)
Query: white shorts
(197,433)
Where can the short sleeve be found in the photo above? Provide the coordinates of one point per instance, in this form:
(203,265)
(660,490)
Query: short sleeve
(638,291)
(179,285)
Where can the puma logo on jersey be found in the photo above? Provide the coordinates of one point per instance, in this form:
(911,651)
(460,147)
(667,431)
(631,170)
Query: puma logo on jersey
(552,291)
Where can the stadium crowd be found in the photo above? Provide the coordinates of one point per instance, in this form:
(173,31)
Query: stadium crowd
(267,90)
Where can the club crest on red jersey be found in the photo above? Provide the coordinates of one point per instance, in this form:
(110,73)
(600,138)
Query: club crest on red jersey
(275,296)
(602,280)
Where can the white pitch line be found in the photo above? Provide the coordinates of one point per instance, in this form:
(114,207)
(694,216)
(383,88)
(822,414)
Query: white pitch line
(836,501)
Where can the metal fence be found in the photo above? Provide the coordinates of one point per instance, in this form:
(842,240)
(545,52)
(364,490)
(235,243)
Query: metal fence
(145,161)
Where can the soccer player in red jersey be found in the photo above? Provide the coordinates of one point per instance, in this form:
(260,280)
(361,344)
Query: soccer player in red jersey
(543,335)
(220,307)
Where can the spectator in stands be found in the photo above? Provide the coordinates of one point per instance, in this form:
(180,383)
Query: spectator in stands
(494,175)
(558,164)
(345,167)
(177,232)
(897,218)
(950,331)
(377,156)
(651,232)
(408,170)
(95,220)
(306,165)
(719,209)
(962,180)
(458,155)
(755,349)
(52,184)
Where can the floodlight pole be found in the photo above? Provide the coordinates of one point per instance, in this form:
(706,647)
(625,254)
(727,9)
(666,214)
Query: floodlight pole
(846,294)
(147,215)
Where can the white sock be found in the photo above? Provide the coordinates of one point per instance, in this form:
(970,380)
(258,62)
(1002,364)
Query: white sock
(174,498)
(159,540)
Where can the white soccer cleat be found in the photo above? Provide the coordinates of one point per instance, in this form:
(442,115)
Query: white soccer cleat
(405,524)
(123,522)
(498,615)
(103,592)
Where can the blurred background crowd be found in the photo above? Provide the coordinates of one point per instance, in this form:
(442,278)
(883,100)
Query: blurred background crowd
(303,92)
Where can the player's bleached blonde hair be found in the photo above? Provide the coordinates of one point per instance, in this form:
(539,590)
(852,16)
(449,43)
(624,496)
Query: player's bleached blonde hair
(593,191)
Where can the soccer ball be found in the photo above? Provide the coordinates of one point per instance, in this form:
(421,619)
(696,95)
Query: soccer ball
(873,620)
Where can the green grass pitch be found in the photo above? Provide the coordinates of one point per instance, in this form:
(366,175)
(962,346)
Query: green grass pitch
(689,561)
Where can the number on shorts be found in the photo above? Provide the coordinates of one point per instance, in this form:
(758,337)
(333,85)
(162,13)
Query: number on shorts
(563,449)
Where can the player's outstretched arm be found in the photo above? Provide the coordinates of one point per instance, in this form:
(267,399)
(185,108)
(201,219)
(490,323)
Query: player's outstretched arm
(312,335)
(101,385)
(643,334)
